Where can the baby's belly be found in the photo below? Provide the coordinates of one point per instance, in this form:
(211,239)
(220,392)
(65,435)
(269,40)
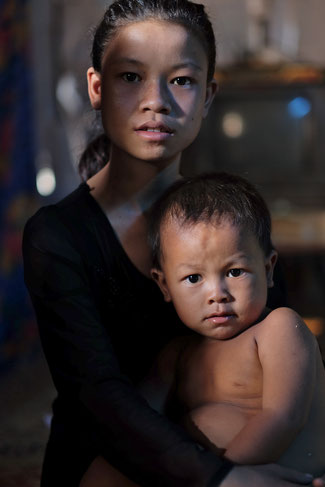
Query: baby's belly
(217,423)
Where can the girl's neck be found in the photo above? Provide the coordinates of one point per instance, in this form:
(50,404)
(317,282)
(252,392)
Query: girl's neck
(132,183)
(126,190)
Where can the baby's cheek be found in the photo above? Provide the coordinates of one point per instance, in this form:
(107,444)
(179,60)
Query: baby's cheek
(186,312)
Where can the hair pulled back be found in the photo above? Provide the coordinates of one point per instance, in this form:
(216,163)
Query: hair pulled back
(211,198)
(122,12)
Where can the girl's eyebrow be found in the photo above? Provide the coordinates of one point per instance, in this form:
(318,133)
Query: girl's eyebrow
(137,62)
(127,60)
(188,64)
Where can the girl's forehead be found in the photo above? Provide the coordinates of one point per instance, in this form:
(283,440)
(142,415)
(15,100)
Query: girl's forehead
(140,29)
(159,39)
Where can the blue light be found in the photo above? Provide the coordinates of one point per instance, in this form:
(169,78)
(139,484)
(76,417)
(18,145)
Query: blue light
(299,107)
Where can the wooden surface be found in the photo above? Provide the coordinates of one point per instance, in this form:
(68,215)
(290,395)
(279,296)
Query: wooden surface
(299,232)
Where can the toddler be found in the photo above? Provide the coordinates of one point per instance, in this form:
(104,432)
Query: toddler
(250,381)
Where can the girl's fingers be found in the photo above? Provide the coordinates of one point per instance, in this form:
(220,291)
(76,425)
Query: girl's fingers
(291,476)
(267,476)
(319,482)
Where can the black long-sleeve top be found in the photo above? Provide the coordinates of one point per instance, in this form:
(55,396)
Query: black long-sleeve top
(101,324)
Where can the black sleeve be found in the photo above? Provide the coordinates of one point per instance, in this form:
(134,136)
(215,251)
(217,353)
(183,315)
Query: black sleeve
(79,353)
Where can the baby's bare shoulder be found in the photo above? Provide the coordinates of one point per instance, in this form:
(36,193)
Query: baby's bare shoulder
(279,314)
(282,315)
(284,323)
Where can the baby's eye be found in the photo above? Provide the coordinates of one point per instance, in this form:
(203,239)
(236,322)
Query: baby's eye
(131,77)
(235,272)
(182,81)
(193,278)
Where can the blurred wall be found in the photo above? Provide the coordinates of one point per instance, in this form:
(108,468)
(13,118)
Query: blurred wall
(296,27)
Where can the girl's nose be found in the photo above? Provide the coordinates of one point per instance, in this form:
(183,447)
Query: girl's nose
(156,98)
(219,293)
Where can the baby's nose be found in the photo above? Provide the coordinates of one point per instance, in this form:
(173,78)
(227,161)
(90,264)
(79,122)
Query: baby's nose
(218,293)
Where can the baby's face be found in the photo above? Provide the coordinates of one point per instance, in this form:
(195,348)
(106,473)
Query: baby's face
(216,276)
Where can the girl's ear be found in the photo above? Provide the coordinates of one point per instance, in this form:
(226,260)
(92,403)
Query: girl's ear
(159,277)
(94,88)
(212,89)
(269,267)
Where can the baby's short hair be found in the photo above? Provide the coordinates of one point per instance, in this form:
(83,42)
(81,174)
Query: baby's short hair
(211,198)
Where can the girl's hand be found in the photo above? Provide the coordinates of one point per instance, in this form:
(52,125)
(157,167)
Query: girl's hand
(268,476)
(319,482)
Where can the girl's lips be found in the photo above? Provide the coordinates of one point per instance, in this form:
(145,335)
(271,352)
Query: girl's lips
(155,126)
(154,135)
(154,131)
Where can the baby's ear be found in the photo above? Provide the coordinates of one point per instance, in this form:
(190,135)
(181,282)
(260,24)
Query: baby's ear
(269,267)
(159,277)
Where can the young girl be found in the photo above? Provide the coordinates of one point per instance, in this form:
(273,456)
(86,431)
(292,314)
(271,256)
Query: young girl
(87,263)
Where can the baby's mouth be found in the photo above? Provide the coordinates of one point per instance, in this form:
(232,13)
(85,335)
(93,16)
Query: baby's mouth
(219,317)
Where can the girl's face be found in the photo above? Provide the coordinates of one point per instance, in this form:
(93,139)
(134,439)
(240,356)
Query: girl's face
(152,91)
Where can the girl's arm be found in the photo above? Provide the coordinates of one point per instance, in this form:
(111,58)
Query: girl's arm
(287,351)
(132,436)
(159,385)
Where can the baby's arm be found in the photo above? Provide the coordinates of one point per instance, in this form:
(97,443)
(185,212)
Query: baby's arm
(286,350)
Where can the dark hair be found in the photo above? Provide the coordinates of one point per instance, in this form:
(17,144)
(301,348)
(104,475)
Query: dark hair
(122,12)
(94,157)
(211,198)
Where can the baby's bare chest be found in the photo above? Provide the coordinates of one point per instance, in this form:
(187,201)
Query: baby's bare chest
(220,371)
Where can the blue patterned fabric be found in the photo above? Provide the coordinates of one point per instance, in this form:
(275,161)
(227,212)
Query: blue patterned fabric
(17,178)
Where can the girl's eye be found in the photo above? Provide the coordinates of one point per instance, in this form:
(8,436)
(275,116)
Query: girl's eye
(193,278)
(182,81)
(235,273)
(131,77)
